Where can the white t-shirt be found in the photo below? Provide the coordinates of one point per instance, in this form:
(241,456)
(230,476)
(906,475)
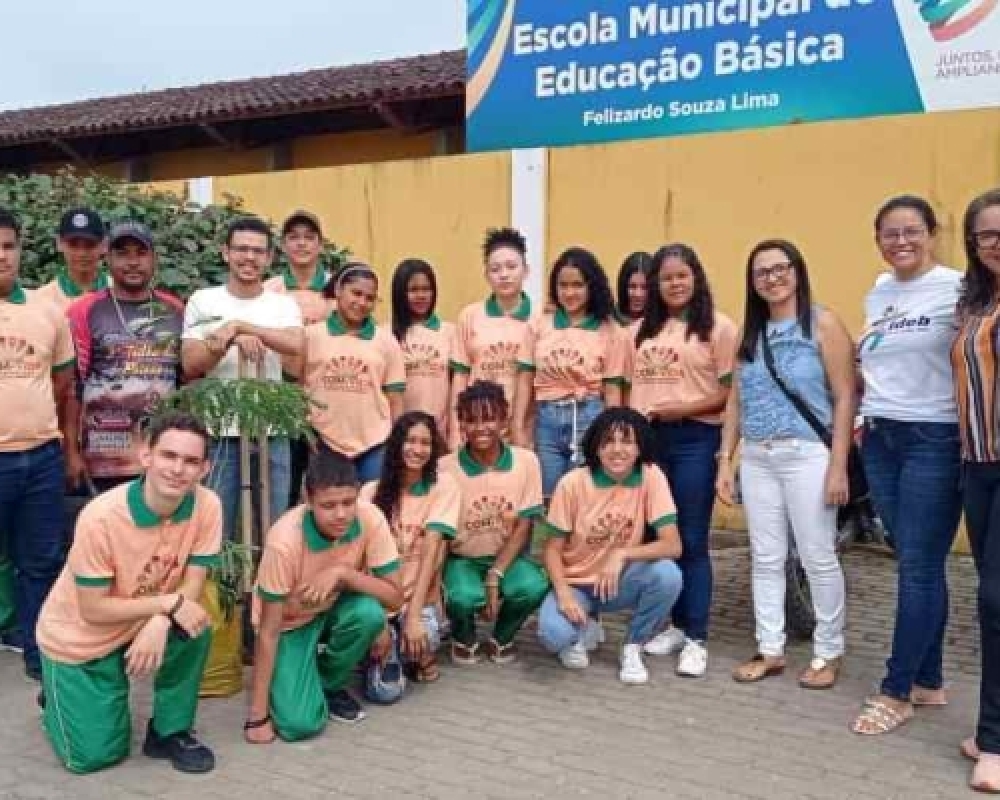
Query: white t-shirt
(268,310)
(905,349)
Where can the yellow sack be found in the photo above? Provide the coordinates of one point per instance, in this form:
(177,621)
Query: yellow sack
(224,671)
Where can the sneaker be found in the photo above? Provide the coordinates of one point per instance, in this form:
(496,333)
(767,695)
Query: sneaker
(593,635)
(182,750)
(342,707)
(633,671)
(693,660)
(12,641)
(575,656)
(663,644)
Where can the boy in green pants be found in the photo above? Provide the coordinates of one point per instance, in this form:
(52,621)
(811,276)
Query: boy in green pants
(328,575)
(126,606)
(486,570)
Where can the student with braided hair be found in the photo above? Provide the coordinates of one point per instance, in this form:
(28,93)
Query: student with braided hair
(486,571)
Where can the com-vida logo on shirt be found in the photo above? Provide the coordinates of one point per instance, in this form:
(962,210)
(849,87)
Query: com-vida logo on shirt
(422,359)
(18,358)
(612,527)
(561,361)
(498,359)
(889,323)
(346,374)
(658,364)
(489,513)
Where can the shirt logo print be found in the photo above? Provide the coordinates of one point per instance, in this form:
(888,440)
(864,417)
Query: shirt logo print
(155,575)
(489,514)
(612,528)
(658,364)
(498,360)
(347,374)
(562,363)
(422,360)
(18,358)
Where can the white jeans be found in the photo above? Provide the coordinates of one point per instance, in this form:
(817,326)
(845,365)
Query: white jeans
(782,482)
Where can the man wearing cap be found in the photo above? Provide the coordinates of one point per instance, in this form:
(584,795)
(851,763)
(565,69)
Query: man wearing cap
(304,280)
(36,379)
(128,345)
(81,241)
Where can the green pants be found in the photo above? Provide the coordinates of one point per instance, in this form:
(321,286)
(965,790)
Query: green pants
(8,611)
(87,716)
(522,589)
(302,673)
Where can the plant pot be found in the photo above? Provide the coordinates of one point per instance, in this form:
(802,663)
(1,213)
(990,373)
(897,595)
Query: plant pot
(224,671)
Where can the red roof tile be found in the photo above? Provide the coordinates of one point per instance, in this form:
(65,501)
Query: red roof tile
(405,78)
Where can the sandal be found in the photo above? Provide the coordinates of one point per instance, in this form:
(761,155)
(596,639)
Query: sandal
(878,717)
(465,655)
(428,671)
(822,673)
(501,654)
(758,668)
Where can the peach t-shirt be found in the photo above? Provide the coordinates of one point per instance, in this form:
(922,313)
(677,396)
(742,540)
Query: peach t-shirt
(426,353)
(122,544)
(35,341)
(597,515)
(493,498)
(348,375)
(433,507)
(310,300)
(573,361)
(672,367)
(295,552)
(487,342)
(62,291)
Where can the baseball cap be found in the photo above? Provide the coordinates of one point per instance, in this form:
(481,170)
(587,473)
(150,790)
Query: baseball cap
(302,217)
(131,230)
(82,222)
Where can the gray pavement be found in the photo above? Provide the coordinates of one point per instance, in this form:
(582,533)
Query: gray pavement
(535,730)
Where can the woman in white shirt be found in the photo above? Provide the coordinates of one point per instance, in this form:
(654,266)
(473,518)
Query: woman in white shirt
(911,449)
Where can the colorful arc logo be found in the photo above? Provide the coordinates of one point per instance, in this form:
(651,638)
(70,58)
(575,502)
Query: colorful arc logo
(949,19)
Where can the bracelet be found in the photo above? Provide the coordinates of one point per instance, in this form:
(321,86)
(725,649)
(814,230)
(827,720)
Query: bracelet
(721,456)
(491,585)
(177,607)
(495,571)
(252,724)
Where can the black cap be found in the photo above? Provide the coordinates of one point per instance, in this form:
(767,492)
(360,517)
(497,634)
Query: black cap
(83,222)
(302,217)
(131,230)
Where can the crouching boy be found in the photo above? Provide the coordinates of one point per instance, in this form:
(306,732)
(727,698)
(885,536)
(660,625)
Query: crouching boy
(327,577)
(126,606)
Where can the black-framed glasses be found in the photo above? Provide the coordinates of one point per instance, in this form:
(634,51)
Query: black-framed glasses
(986,240)
(890,235)
(776,271)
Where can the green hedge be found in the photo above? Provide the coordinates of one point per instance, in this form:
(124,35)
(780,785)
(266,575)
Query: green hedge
(188,236)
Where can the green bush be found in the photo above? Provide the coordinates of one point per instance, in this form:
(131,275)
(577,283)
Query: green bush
(188,236)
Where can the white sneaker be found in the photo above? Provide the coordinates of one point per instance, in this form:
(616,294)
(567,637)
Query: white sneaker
(693,660)
(633,671)
(593,635)
(663,644)
(575,656)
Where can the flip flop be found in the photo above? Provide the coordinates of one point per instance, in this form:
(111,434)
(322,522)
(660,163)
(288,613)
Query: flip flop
(758,668)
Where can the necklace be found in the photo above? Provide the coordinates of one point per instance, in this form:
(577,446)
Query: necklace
(121,317)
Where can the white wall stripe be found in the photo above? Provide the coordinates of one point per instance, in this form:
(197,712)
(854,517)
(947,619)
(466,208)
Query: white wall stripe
(200,190)
(528,213)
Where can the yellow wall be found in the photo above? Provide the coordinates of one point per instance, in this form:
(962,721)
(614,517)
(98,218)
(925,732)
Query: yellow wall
(818,185)
(434,208)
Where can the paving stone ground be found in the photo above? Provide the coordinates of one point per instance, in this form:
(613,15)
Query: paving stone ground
(535,730)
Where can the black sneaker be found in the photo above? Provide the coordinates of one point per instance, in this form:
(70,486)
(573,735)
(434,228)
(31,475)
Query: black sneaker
(12,641)
(184,752)
(33,672)
(343,707)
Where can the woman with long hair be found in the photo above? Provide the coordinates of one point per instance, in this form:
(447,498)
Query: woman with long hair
(426,340)
(682,368)
(353,370)
(633,280)
(571,363)
(422,506)
(911,449)
(976,365)
(789,476)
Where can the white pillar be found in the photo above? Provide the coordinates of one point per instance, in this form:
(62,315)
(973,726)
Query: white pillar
(528,211)
(200,191)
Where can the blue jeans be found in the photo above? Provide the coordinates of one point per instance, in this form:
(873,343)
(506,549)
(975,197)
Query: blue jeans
(225,480)
(367,465)
(32,516)
(559,429)
(914,471)
(685,451)
(648,588)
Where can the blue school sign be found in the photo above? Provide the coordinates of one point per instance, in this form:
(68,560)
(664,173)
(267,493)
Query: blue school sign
(560,72)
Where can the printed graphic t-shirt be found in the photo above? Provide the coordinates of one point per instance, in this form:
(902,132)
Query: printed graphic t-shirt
(128,359)
(905,350)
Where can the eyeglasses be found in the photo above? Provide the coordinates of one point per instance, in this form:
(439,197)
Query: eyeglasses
(776,271)
(986,240)
(890,235)
(247,250)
